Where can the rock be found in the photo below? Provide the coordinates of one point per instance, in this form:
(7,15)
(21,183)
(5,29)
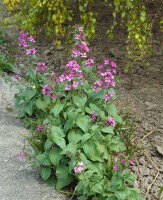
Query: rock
(9,107)
(142,161)
(47,52)
(150,105)
(144,171)
(159,149)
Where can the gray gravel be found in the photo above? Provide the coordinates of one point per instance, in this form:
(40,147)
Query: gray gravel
(19,181)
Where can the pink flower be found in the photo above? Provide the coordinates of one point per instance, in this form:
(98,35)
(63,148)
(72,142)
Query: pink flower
(20,155)
(123,161)
(131,162)
(17,76)
(52,75)
(89,62)
(95,89)
(31,51)
(75,84)
(106,97)
(93,116)
(31,39)
(53,96)
(79,168)
(111,121)
(68,87)
(41,66)
(106,62)
(39,128)
(115,167)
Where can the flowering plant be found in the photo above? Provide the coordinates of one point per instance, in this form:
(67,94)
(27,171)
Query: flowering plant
(78,139)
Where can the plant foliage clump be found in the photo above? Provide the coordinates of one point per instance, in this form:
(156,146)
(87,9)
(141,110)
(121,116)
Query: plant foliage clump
(77,136)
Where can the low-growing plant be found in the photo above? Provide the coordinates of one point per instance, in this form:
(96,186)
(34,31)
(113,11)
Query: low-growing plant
(78,137)
(5,64)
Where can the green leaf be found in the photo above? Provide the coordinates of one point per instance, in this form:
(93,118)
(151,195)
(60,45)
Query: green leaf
(85,137)
(75,136)
(47,145)
(68,125)
(80,101)
(97,188)
(57,130)
(82,198)
(57,109)
(43,104)
(55,156)
(92,152)
(112,197)
(29,94)
(62,171)
(62,182)
(56,136)
(72,115)
(45,173)
(28,107)
(108,129)
(83,123)
(31,76)
(160,192)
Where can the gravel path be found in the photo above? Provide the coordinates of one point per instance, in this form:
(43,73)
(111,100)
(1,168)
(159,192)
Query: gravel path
(18,180)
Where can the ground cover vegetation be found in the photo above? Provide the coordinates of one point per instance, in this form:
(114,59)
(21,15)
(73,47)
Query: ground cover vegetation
(60,15)
(78,137)
(5,63)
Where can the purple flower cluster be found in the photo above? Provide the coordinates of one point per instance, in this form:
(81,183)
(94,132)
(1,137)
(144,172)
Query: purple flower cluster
(24,42)
(108,96)
(79,168)
(41,66)
(111,121)
(48,91)
(40,128)
(118,165)
(93,117)
(106,77)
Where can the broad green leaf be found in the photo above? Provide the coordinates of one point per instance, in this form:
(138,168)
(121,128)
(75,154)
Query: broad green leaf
(112,197)
(83,122)
(43,104)
(82,198)
(57,130)
(28,108)
(31,76)
(54,156)
(85,137)
(72,148)
(56,136)
(62,182)
(108,129)
(62,171)
(92,152)
(97,188)
(112,110)
(72,115)
(29,94)
(57,109)
(47,145)
(80,101)
(45,173)
(68,125)
(75,136)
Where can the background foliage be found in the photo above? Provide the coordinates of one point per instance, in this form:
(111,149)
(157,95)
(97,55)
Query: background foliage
(58,15)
